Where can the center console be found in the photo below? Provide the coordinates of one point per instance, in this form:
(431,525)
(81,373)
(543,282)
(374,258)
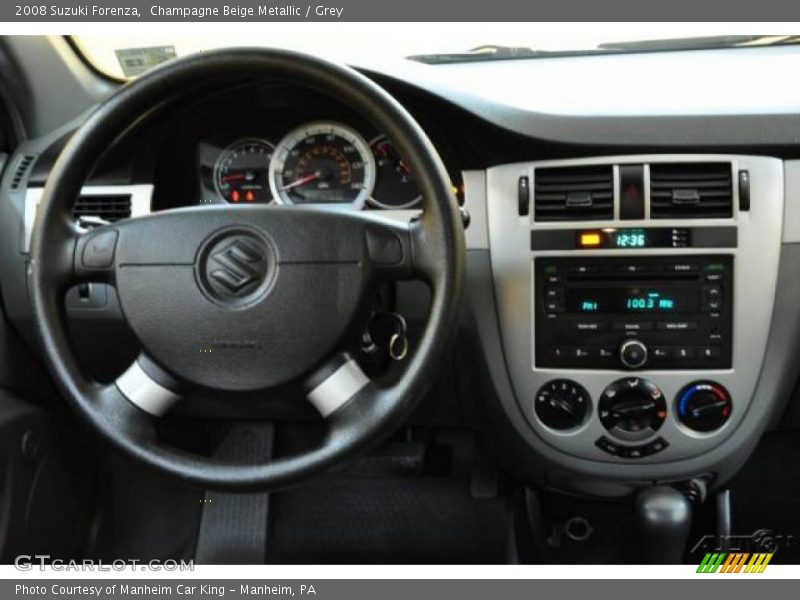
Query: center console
(634,297)
(613,313)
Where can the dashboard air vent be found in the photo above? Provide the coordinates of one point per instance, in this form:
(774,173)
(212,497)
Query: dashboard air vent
(574,193)
(106,206)
(691,191)
(23,164)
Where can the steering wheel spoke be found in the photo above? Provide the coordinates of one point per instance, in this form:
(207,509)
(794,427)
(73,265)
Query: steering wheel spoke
(94,255)
(145,385)
(335,384)
(401,249)
(115,412)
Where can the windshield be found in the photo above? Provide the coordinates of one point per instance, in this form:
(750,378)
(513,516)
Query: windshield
(126,56)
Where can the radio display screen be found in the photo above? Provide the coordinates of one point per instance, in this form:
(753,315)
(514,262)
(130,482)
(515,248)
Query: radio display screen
(663,300)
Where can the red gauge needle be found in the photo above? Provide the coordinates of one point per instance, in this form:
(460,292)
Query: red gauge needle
(301,181)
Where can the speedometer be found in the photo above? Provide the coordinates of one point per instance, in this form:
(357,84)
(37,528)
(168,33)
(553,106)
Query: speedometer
(323,163)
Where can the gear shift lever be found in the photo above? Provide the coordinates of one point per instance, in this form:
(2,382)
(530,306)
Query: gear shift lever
(664,516)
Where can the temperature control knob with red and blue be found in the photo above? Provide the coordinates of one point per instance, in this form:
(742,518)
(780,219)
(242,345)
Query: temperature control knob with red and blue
(704,406)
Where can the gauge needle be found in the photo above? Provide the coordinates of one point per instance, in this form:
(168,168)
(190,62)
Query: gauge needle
(301,181)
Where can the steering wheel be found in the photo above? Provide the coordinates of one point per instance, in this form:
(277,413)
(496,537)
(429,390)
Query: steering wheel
(245,298)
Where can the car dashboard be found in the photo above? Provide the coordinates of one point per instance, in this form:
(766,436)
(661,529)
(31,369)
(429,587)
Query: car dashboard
(631,277)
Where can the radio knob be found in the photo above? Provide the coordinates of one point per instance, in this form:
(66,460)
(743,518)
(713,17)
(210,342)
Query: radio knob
(633,354)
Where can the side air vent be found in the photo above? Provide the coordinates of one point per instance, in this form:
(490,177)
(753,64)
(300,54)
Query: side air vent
(24,163)
(691,191)
(574,193)
(107,207)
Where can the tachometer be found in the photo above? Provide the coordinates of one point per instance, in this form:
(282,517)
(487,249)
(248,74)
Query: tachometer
(323,163)
(241,174)
(394,182)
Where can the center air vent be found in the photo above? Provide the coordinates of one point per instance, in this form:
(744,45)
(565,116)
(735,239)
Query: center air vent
(691,191)
(107,207)
(574,193)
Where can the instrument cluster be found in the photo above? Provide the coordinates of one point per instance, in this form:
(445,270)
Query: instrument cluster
(321,162)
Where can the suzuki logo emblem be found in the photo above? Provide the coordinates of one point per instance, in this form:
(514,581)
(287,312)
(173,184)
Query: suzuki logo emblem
(237,266)
(234,268)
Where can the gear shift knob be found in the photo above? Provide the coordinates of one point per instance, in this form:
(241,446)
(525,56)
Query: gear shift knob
(664,516)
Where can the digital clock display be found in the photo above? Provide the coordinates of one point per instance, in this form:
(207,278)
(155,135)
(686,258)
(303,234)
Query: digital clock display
(625,238)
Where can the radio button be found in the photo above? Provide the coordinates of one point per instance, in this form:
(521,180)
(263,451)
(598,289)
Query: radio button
(683,268)
(633,326)
(583,269)
(633,354)
(588,326)
(553,293)
(605,352)
(661,352)
(713,277)
(581,352)
(553,306)
(677,325)
(684,352)
(708,352)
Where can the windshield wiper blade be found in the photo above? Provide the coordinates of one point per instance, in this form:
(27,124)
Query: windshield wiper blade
(497,52)
(700,43)
(490,52)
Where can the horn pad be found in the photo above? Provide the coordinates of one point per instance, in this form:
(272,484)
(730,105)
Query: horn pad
(236,268)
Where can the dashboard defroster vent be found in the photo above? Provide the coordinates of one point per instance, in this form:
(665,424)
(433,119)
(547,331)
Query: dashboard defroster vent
(691,191)
(574,193)
(23,164)
(106,206)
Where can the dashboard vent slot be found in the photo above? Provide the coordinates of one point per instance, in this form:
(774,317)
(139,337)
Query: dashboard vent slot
(574,193)
(691,191)
(24,163)
(109,207)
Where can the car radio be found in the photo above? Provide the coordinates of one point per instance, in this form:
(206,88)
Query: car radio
(653,312)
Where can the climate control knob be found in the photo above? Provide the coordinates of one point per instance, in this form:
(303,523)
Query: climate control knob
(632,408)
(562,404)
(704,406)
(633,354)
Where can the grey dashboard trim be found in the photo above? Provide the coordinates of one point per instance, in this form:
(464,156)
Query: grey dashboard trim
(477,234)
(791,210)
(756,271)
(141,199)
(536,459)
